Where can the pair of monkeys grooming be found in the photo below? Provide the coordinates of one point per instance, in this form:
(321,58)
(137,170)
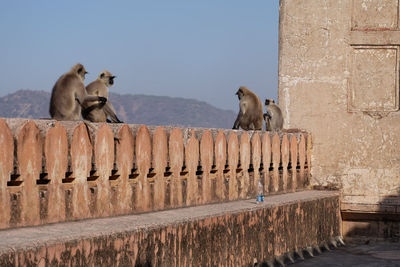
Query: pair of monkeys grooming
(70,99)
(251,115)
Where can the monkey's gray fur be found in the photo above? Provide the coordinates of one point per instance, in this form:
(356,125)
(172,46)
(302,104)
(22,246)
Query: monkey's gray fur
(99,112)
(273,117)
(69,95)
(250,115)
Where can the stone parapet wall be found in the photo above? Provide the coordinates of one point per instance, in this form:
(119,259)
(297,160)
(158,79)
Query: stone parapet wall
(60,171)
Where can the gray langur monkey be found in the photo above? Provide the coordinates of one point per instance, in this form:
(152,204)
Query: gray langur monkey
(99,112)
(273,117)
(69,95)
(250,115)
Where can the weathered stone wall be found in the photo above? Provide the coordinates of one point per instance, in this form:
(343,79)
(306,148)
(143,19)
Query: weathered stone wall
(339,79)
(59,171)
(238,233)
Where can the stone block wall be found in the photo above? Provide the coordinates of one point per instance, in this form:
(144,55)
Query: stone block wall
(339,79)
(60,171)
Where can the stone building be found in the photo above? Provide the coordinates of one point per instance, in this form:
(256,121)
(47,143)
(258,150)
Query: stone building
(339,79)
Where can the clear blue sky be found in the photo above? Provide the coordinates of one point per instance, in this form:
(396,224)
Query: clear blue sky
(193,49)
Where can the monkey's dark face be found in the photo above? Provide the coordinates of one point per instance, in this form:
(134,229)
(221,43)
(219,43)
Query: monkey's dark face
(82,72)
(239,93)
(111,80)
(107,78)
(269,101)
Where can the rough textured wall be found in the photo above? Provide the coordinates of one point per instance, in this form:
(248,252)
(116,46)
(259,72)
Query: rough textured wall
(238,233)
(339,79)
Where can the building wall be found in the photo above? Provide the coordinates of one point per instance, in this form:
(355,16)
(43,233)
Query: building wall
(339,79)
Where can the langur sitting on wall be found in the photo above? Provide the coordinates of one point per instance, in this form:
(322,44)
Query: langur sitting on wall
(100,112)
(69,95)
(250,115)
(273,116)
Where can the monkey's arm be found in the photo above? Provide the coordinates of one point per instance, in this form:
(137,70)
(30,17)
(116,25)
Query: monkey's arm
(92,98)
(267,116)
(110,112)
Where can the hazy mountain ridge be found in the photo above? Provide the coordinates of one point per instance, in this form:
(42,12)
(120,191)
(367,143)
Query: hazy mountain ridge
(139,109)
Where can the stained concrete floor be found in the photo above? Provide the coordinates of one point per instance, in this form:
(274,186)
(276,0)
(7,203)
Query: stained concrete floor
(373,254)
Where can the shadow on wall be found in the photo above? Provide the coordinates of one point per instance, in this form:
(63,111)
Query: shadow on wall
(380,222)
(144,264)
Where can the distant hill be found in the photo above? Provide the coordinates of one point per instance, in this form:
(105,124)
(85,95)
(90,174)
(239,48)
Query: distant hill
(138,109)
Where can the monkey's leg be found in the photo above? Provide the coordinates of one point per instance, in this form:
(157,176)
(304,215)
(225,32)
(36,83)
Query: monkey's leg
(110,112)
(245,127)
(267,123)
(88,110)
(258,124)
(268,126)
(237,121)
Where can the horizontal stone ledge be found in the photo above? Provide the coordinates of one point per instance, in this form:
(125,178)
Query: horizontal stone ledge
(370,216)
(366,204)
(228,233)
(16,124)
(375,37)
